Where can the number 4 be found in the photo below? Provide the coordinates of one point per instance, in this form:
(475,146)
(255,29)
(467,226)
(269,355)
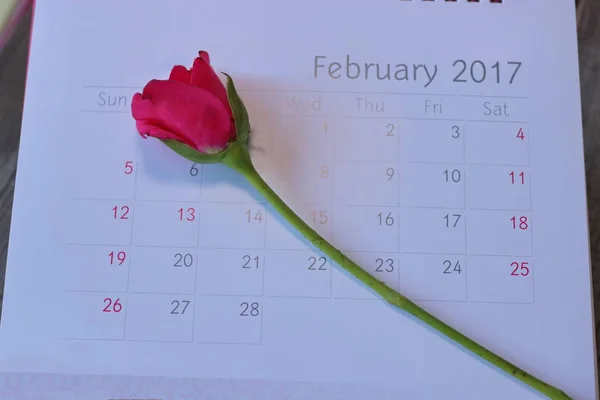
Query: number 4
(521,134)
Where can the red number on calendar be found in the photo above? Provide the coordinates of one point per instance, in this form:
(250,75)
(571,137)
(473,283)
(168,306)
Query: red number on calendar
(188,215)
(112,306)
(120,212)
(517,178)
(118,257)
(521,134)
(128,167)
(520,223)
(519,269)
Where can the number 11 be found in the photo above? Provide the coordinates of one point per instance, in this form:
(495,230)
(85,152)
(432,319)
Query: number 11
(517,178)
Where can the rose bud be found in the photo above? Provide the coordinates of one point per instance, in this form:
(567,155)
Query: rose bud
(191,112)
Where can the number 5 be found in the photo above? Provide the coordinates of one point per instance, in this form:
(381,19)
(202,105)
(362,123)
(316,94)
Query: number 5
(128,167)
(319,217)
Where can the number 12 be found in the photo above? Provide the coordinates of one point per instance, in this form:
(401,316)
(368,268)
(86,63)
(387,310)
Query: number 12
(124,211)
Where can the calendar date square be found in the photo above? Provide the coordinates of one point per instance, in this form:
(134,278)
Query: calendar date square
(228,320)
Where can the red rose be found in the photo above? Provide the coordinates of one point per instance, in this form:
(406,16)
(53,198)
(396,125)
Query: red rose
(191,107)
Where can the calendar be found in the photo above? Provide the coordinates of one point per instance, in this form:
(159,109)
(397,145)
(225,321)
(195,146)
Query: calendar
(436,143)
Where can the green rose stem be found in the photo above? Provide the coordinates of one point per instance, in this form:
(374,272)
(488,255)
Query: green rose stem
(237,157)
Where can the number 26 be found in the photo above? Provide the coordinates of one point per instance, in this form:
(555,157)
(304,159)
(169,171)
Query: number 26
(112,305)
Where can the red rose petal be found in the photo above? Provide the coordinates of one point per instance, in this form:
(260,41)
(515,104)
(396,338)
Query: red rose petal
(146,123)
(175,110)
(147,129)
(181,74)
(204,76)
(204,55)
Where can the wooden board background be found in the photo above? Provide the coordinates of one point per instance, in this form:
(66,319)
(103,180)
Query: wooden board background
(13,61)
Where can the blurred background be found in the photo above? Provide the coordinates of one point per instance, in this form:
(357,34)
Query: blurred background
(15,18)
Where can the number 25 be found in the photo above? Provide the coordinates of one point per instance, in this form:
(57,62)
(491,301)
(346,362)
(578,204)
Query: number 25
(519,269)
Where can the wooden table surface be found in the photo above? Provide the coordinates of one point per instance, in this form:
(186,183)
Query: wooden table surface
(12,79)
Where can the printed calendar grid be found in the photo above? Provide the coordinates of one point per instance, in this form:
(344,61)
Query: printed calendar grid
(204,203)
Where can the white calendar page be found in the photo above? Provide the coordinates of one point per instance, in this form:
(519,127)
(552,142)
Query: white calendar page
(456,176)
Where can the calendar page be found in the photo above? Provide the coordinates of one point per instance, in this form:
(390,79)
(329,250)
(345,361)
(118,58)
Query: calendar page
(436,143)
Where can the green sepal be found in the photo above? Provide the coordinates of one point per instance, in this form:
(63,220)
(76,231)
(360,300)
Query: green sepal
(192,154)
(240,114)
